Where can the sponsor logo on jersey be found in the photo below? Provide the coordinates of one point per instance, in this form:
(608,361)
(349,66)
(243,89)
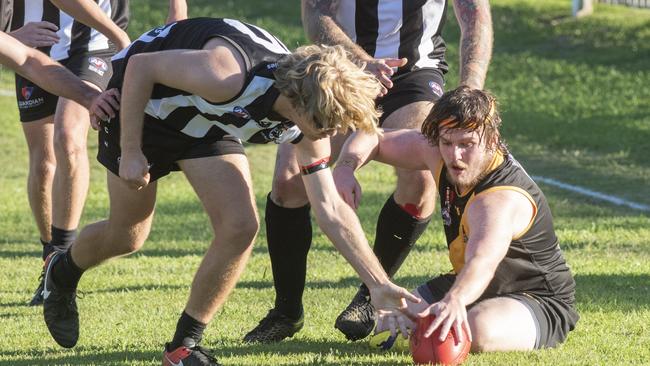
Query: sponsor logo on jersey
(241,112)
(275,134)
(97,65)
(27,92)
(272,66)
(435,88)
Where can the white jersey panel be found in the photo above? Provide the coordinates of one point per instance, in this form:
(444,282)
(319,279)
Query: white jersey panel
(433,9)
(345,17)
(389,15)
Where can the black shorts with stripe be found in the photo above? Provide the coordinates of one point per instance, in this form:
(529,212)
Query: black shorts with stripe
(35,103)
(162,146)
(554,318)
(422,85)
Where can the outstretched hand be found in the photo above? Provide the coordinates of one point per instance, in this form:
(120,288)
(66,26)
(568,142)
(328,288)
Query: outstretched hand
(390,302)
(103,107)
(449,313)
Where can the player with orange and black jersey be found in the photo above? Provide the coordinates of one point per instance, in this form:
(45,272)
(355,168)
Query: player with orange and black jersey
(510,286)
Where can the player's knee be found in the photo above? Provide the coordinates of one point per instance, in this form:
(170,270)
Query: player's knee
(288,191)
(420,179)
(416,186)
(239,229)
(128,239)
(43,169)
(484,334)
(69,146)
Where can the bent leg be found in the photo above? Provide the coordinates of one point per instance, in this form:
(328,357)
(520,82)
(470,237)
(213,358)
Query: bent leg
(407,213)
(502,324)
(224,186)
(125,230)
(401,221)
(42,166)
(288,232)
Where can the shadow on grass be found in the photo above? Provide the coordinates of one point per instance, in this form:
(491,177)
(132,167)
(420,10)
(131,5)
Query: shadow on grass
(94,356)
(613,292)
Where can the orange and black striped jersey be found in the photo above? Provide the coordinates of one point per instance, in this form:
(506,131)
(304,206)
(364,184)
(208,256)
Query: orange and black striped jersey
(534,262)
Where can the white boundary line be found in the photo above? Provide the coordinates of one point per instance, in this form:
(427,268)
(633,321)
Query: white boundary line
(550,181)
(593,194)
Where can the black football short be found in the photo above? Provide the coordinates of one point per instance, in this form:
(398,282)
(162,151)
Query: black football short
(554,318)
(35,103)
(416,86)
(163,146)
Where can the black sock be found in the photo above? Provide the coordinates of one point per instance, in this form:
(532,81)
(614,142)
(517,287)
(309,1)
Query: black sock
(288,232)
(397,232)
(62,239)
(187,327)
(47,248)
(65,272)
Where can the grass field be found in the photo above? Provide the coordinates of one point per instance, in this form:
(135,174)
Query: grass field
(576,107)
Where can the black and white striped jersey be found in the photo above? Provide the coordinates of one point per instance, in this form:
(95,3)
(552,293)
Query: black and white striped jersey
(74,36)
(249,115)
(396,29)
(6,9)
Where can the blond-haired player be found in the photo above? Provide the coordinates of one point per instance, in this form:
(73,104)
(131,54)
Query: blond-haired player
(192,91)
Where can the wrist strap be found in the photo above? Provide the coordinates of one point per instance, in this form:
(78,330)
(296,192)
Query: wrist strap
(315,166)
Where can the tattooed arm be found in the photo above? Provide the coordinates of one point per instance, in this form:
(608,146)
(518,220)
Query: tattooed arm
(476,39)
(321,28)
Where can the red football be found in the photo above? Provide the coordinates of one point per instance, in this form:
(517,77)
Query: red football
(426,351)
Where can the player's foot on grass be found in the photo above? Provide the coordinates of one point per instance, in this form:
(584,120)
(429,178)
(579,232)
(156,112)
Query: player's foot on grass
(357,320)
(60,307)
(274,328)
(189,354)
(37,299)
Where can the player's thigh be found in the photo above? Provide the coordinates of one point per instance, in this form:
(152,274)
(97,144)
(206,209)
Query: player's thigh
(408,116)
(39,135)
(223,184)
(502,324)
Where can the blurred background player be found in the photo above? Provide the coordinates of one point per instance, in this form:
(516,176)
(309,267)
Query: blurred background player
(399,42)
(510,287)
(55,78)
(82,35)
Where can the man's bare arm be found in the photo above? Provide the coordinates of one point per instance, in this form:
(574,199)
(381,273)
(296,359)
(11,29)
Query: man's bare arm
(45,72)
(476,40)
(177,11)
(321,28)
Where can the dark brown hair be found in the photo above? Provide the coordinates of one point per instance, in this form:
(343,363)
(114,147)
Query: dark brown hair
(466,109)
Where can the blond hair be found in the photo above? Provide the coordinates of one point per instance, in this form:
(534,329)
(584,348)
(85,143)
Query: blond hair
(324,83)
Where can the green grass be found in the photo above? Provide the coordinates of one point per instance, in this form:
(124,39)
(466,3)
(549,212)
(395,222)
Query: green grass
(576,107)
